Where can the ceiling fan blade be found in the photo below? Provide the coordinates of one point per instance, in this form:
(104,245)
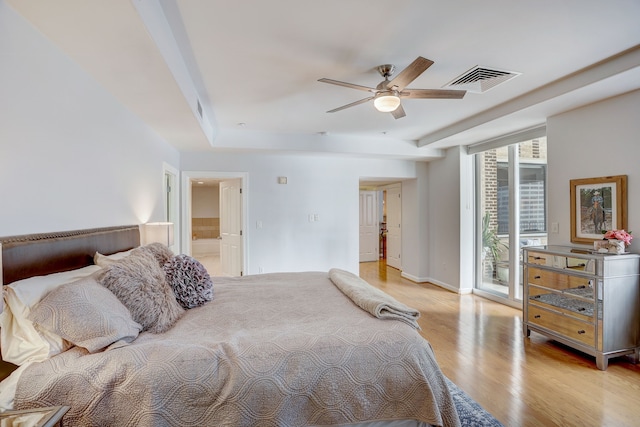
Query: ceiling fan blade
(350,85)
(353,104)
(432,93)
(398,113)
(410,73)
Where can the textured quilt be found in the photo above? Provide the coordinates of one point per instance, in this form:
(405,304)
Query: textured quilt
(285,349)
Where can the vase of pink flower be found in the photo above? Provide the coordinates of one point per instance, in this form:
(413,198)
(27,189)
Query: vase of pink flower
(618,240)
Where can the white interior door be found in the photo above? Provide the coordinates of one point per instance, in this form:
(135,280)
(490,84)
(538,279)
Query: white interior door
(394,226)
(231,228)
(369,227)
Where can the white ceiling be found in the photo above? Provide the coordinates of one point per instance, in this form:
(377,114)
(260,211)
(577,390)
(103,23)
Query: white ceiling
(258,62)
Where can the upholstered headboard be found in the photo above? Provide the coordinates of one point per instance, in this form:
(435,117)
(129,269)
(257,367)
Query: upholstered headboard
(39,254)
(46,253)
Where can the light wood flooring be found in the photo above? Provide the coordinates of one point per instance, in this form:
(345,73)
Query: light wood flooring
(211,263)
(521,381)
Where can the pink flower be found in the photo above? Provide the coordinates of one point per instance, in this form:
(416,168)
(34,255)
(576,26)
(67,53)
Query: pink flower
(619,235)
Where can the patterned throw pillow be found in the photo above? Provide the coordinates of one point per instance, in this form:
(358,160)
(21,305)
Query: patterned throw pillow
(190,281)
(85,314)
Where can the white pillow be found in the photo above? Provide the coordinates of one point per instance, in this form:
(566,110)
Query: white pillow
(104,260)
(8,388)
(19,340)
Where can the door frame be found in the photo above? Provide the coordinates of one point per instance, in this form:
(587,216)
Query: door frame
(187,176)
(172,207)
(387,188)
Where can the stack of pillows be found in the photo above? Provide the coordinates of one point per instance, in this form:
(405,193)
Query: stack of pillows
(155,285)
(102,306)
(98,307)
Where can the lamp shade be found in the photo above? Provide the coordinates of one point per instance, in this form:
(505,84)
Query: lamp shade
(157,232)
(386,102)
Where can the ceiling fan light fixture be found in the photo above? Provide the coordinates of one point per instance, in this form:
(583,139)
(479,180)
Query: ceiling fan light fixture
(386,102)
(386,95)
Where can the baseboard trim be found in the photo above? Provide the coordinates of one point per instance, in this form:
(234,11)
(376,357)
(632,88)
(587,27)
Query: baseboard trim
(446,286)
(414,278)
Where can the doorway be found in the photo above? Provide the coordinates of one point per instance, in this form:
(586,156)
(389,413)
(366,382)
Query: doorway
(215,213)
(205,223)
(510,213)
(171,202)
(381,239)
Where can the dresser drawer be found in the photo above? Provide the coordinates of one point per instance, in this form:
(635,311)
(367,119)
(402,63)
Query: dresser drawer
(555,280)
(564,325)
(538,258)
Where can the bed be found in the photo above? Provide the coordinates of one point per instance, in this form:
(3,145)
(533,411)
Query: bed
(280,349)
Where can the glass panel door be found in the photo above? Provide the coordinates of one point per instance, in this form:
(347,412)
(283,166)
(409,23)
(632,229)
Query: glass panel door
(509,216)
(493,216)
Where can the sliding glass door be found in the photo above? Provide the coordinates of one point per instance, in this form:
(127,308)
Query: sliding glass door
(511,213)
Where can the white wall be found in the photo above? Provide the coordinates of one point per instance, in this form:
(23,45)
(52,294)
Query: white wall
(444,220)
(205,201)
(597,140)
(415,231)
(71,156)
(327,186)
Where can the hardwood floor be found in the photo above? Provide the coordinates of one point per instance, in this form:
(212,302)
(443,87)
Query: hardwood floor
(521,381)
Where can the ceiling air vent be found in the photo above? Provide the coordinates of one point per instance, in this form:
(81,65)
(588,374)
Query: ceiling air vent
(480,79)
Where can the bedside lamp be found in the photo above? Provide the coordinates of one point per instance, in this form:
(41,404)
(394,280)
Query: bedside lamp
(160,232)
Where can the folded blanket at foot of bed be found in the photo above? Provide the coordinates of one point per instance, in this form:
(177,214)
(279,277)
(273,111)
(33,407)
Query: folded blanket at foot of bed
(375,301)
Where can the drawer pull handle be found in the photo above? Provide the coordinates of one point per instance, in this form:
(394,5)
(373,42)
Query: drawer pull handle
(537,277)
(537,257)
(537,316)
(581,309)
(581,331)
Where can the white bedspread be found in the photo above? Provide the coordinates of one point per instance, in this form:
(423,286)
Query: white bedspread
(286,349)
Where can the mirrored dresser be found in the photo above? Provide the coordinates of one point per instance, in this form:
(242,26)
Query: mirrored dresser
(588,301)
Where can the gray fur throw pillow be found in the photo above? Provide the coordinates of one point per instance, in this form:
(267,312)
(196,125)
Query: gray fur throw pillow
(190,281)
(140,284)
(160,252)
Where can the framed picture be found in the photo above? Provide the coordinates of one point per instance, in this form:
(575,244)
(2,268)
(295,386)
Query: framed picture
(597,205)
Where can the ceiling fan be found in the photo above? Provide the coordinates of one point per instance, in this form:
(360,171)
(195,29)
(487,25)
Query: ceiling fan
(386,96)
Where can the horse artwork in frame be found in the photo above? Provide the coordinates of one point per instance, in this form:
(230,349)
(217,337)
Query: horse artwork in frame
(597,205)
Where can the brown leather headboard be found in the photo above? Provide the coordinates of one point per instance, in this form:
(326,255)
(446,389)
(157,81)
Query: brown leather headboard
(39,254)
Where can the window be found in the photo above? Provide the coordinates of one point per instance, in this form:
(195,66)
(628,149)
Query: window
(532,198)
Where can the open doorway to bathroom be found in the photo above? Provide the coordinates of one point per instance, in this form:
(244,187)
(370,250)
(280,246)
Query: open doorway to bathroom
(215,216)
(205,223)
